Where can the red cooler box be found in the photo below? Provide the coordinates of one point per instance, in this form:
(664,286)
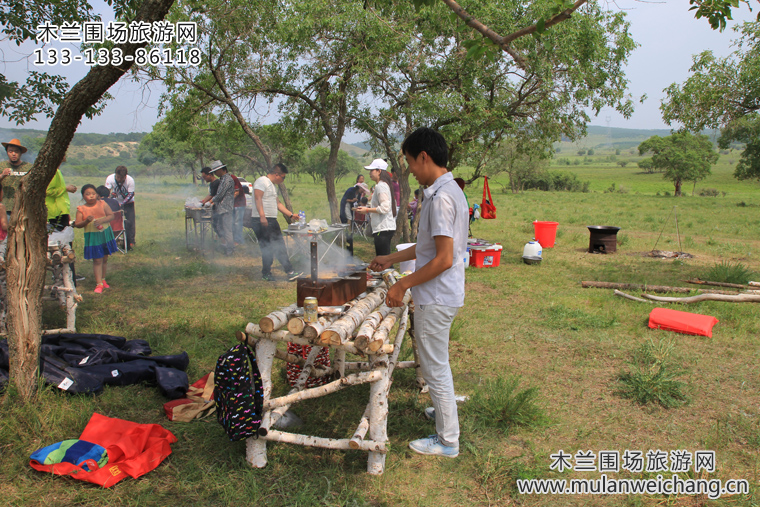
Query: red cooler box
(485,256)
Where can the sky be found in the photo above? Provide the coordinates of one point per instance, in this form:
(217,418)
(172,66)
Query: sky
(666,31)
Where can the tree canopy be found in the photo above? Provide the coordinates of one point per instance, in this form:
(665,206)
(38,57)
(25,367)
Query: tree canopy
(724,93)
(682,156)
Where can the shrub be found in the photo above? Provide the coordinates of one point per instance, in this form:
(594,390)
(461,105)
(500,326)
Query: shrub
(591,152)
(709,192)
(555,180)
(581,152)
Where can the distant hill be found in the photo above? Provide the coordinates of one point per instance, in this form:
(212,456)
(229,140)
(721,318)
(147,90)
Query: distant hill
(612,138)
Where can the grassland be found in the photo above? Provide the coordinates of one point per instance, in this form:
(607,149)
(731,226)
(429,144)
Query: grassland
(533,321)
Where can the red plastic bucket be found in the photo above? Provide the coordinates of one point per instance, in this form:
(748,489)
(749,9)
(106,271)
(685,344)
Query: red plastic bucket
(546,233)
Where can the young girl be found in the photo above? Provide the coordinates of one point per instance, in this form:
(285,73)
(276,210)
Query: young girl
(99,242)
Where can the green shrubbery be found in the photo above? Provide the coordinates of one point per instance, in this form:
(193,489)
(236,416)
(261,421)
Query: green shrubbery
(555,180)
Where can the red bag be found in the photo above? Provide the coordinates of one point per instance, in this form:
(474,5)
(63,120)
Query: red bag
(133,450)
(682,322)
(487,208)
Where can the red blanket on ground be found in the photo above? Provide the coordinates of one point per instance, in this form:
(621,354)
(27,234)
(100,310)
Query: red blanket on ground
(133,450)
(682,322)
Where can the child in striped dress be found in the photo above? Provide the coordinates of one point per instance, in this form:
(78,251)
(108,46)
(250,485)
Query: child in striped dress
(95,215)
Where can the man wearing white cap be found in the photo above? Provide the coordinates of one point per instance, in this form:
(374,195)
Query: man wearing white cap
(382,208)
(11,171)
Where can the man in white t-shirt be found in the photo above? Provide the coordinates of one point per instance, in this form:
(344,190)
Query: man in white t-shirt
(122,188)
(265,225)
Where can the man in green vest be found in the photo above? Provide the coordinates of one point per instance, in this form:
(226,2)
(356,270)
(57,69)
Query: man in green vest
(11,172)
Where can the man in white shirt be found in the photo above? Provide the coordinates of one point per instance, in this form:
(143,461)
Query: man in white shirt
(438,282)
(122,187)
(265,225)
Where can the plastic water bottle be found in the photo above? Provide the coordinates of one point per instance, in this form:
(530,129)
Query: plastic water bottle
(301,217)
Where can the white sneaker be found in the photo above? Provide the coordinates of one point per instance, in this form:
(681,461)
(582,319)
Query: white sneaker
(431,446)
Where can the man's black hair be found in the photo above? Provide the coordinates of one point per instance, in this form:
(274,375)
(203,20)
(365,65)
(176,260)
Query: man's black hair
(282,168)
(427,140)
(206,170)
(103,191)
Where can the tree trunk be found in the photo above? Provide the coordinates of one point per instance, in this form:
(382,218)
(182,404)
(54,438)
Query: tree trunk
(677,184)
(332,163)
(27,237)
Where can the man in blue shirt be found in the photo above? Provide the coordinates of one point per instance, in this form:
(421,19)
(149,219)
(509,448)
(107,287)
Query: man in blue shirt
(438,282)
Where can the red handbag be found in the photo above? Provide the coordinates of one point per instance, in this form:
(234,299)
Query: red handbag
(487,208)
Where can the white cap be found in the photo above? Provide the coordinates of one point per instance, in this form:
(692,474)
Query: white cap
(378,163)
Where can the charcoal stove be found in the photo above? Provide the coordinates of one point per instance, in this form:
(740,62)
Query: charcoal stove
(334,289)
(603,238)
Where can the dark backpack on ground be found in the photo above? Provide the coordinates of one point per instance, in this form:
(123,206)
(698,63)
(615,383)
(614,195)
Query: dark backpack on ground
(238,393)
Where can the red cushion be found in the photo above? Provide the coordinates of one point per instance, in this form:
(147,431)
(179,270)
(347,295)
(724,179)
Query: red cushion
(682,322)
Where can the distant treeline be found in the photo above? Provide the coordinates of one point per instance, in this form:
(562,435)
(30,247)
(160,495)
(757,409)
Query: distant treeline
(79,139)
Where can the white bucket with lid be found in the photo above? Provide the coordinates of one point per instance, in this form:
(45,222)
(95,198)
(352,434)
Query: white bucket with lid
(406,265)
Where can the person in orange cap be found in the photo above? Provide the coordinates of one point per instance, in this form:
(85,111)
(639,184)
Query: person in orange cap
(11,171)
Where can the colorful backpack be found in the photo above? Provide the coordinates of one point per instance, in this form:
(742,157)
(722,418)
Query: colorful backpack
(238,393)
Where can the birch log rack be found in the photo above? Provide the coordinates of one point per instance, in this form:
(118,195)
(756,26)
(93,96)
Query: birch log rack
(62,289)
(373,323)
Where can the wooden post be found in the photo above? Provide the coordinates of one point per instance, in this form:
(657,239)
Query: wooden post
(256,448)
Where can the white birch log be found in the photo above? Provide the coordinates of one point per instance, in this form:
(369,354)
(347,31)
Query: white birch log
(361,431)
(71,297)
(276,319)
(312,330)
(368,327)
(332,387)
(58,331)
(308,367)
(737,298)
(380,337)
(378,403)
(325,443)
(284,336)
(339,364)
(296,325)
(256,448)
(340,330)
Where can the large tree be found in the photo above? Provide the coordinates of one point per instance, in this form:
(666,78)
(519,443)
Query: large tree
(27,234)
(724,93)
(682,156)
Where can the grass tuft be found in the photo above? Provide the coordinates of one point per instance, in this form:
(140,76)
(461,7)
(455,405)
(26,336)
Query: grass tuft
(499,404)
(654,377)
(729,272)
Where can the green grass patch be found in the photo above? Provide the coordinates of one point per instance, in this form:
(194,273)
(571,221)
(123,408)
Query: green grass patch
(730,272)
(654,377)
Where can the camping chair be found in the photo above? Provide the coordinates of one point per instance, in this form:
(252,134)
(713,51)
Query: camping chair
(359,224)
(118,224)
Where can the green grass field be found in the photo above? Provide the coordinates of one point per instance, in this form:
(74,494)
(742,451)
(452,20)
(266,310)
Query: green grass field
(535,322)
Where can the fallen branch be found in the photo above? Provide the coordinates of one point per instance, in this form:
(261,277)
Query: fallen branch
(628,296)
(649,288)
(697,281)
(736,298)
